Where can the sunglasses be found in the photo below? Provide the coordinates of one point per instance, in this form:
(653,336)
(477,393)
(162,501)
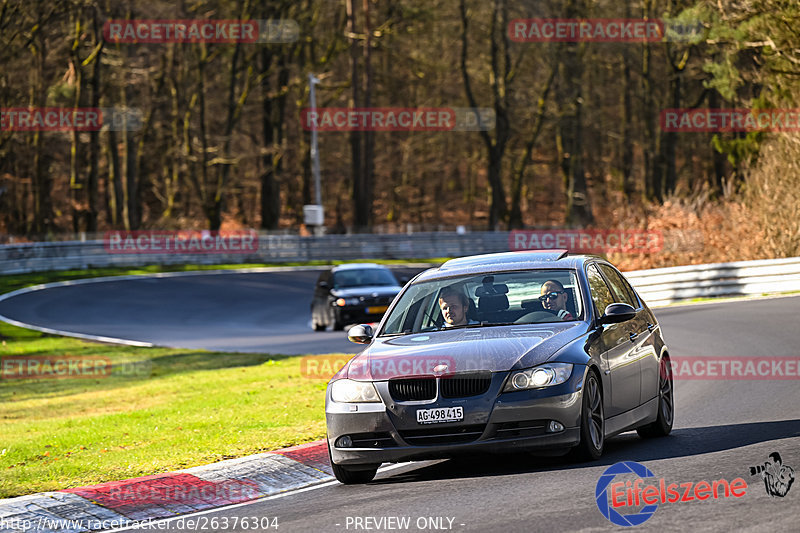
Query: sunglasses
(549,295)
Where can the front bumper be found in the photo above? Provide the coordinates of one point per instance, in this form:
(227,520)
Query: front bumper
(493,422)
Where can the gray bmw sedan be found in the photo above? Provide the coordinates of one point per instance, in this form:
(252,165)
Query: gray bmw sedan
(498,352)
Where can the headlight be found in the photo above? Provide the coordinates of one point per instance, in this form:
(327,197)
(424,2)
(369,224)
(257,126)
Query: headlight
(349,391)
(539,376)
(341,302)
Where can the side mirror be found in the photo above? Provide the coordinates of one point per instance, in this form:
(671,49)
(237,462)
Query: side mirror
(616,313)
(360,334)
(323,285)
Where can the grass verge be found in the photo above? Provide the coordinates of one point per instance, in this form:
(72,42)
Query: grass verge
(182,408)
(177,409)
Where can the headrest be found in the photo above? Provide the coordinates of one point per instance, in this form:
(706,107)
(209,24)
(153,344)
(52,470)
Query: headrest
(490,289)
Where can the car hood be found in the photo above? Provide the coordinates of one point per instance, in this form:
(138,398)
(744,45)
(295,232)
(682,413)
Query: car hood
(447,352)
(380,290)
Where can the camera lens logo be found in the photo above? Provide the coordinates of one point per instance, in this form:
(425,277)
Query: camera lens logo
(601,494)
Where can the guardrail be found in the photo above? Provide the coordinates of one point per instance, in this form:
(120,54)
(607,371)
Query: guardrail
(38,257)
(657,287)
(666,285)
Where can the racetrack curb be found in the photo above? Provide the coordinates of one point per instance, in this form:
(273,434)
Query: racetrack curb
(140,500)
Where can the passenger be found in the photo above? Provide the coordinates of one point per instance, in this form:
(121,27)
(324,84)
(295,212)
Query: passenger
(554,299)
(454,305)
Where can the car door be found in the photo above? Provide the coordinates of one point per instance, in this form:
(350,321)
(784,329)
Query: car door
(641,330)
(621,366)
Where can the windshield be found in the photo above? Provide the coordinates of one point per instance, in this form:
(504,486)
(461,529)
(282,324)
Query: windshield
(363,278)
(524,297)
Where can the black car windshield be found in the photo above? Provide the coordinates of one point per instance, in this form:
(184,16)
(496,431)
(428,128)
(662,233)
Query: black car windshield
(362,277)
(489,299)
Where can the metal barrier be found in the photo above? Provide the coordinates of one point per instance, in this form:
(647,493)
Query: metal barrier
(37,257)
(657,287)
(666,285)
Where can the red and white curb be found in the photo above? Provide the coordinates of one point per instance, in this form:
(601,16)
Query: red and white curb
(117,503)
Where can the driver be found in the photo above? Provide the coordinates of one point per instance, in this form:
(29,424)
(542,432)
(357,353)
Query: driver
(454,305)
(554,299)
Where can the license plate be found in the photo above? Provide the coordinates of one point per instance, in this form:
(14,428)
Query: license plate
(377,309)
(440,414)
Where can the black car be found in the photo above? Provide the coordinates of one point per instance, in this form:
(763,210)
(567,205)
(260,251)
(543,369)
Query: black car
(352,293)
(537,350)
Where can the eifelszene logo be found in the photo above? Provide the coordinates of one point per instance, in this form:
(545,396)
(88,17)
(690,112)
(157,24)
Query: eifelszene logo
(614,498)
(778,477)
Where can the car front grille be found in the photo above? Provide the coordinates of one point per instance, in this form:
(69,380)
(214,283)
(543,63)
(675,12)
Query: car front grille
(446,435)
(460,386)
(463,386)
(381,300)
(405,390)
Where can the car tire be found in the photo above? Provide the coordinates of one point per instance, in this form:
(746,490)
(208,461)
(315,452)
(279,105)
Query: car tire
(348,476)
(337,325)
(593,422)
(666,404)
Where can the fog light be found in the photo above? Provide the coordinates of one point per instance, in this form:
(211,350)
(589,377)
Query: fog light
(344,442)
(554,427)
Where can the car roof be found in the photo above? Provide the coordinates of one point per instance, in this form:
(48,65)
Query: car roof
(506,261)
(357,266)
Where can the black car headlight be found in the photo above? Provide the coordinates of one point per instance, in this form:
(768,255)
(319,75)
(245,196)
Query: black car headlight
(341,302)
(539,376)
(350,391)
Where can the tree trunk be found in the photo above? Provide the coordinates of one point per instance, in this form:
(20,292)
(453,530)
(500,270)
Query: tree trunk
(515,218)
(578,209)
(42,182)
(368,172)
(500,75)
(94,136)
(360,217)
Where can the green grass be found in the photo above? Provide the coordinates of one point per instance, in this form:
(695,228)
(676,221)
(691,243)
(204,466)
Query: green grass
(184,408)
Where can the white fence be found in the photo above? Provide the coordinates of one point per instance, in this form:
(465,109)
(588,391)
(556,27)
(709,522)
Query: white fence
(666,285)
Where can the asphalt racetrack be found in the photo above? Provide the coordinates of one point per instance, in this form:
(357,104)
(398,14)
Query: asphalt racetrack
(722,427)
(265,312)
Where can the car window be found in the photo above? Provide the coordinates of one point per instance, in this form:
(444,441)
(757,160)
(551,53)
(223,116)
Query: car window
(601,295)
(363,277)
(489,299)
(631,291)
(618,287)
